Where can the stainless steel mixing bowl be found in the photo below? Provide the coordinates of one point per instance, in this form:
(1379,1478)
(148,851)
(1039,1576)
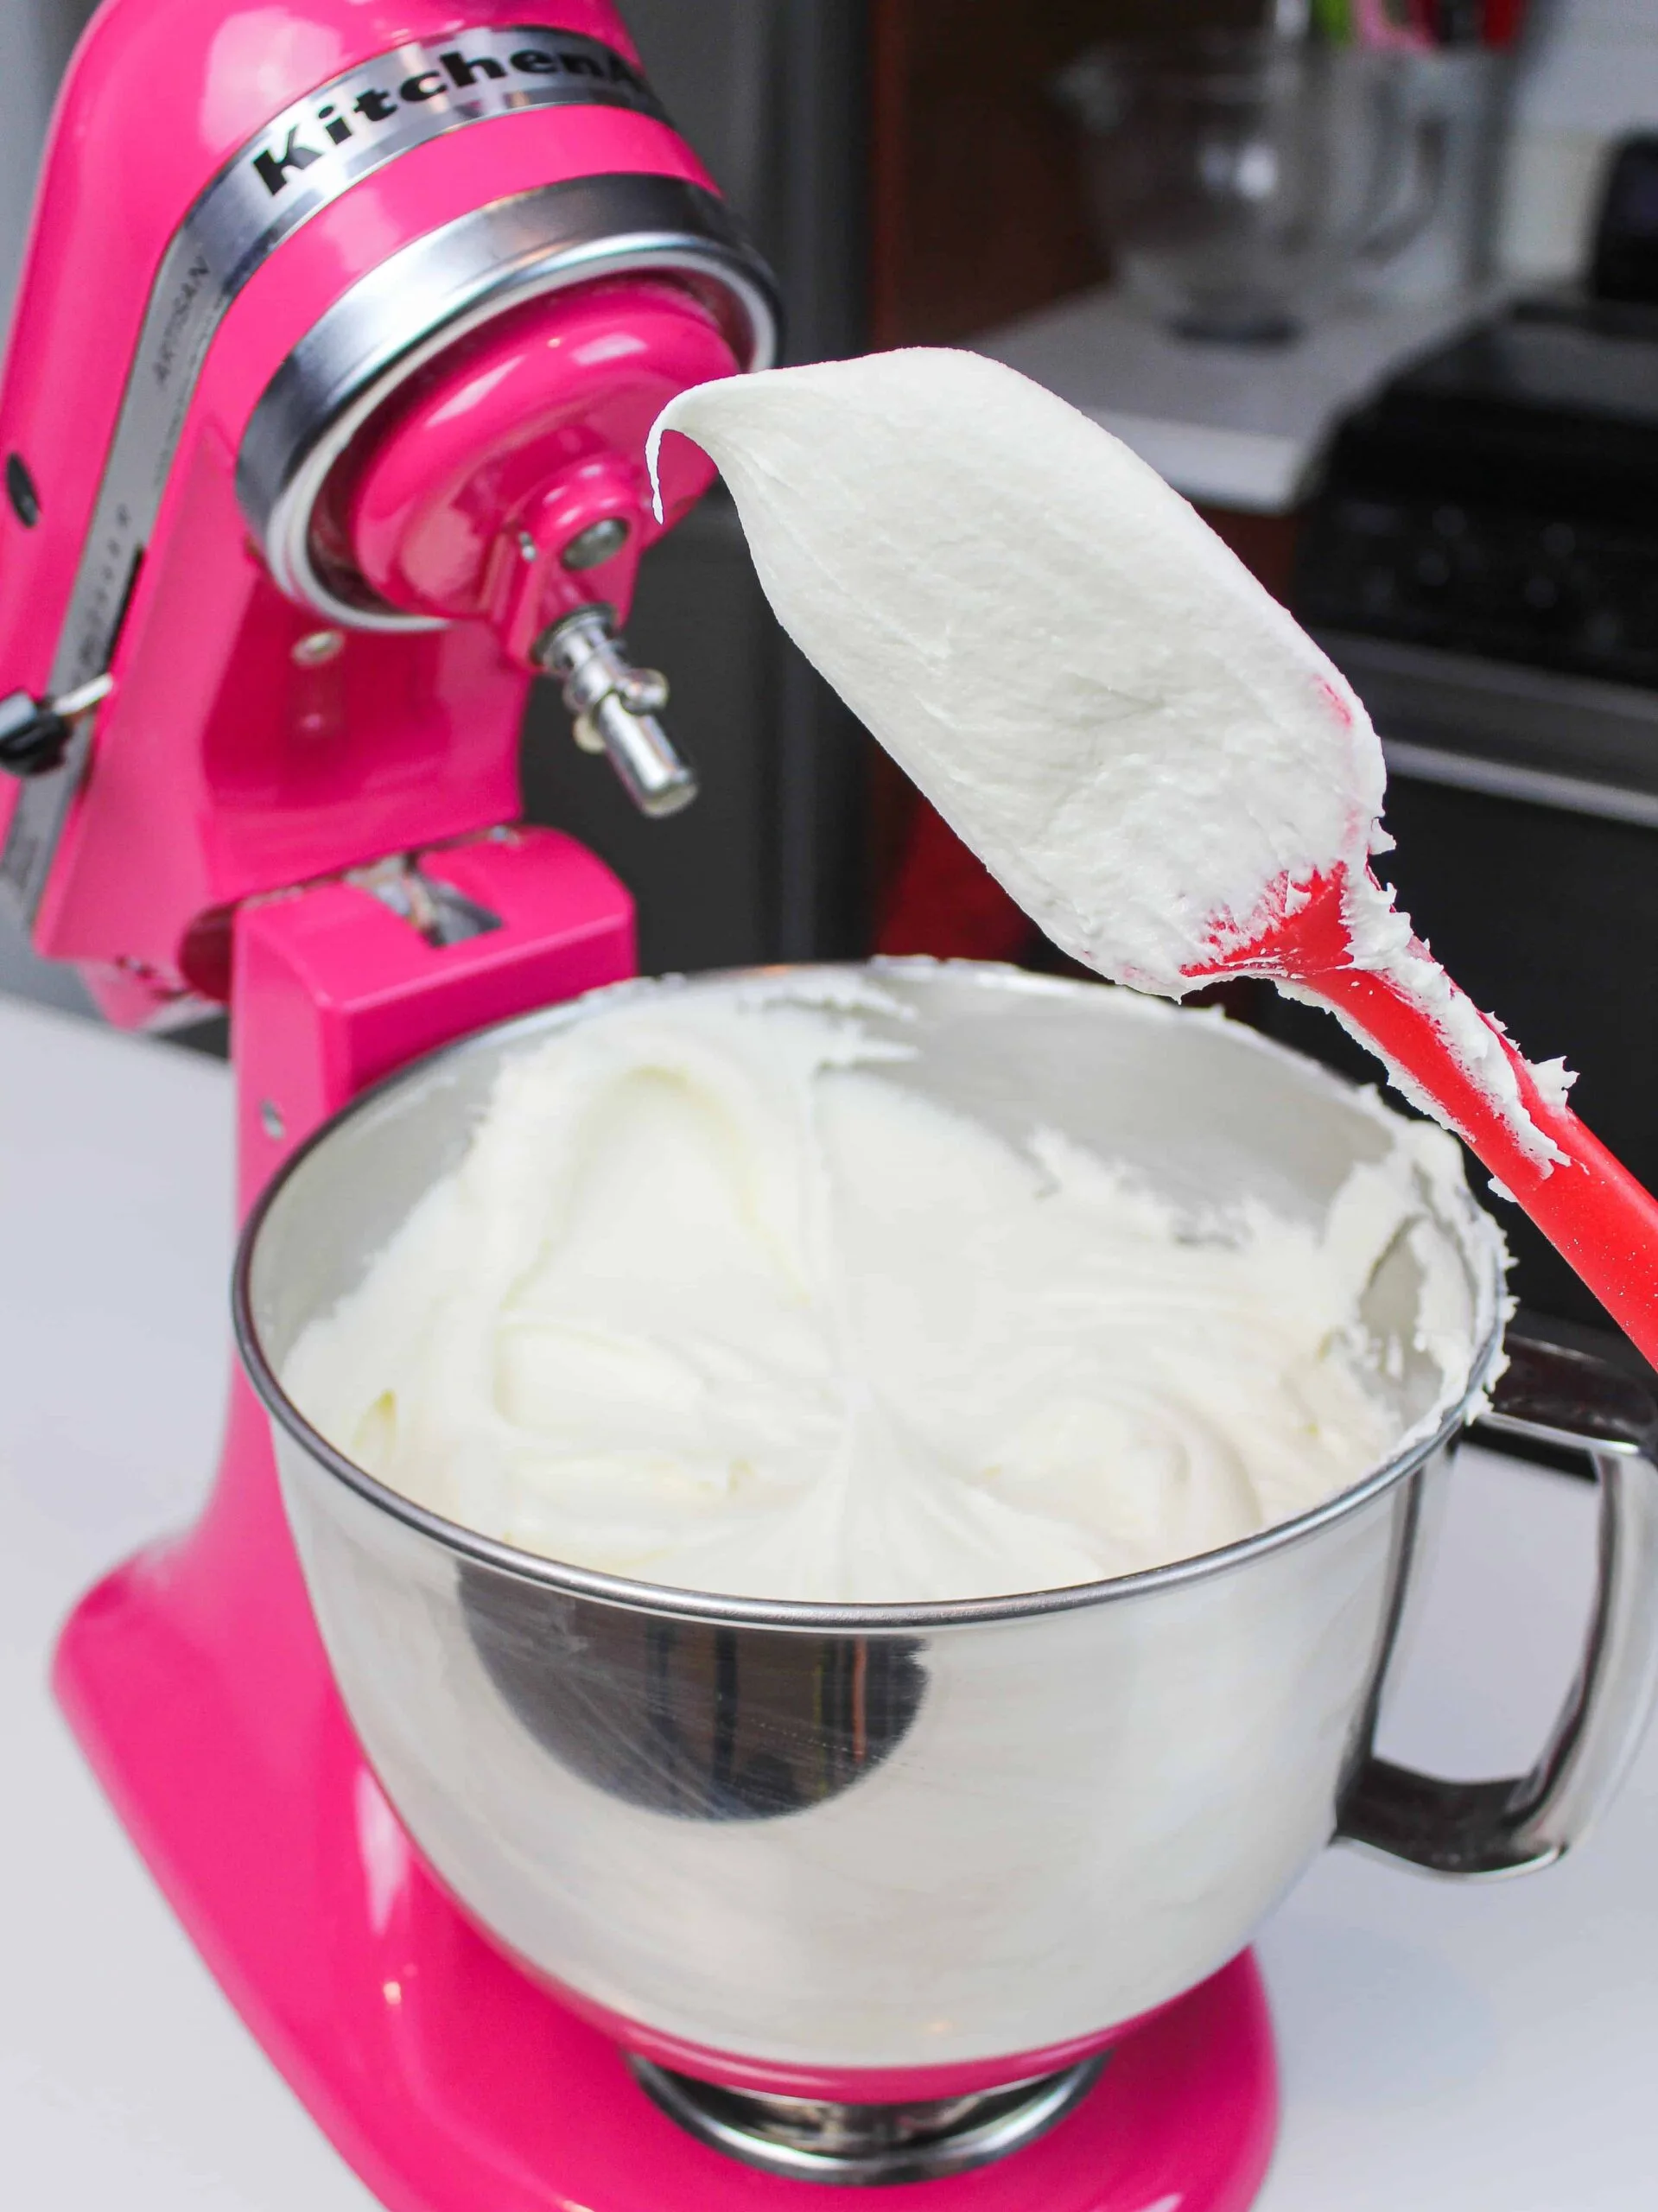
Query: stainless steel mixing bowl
(902,1837)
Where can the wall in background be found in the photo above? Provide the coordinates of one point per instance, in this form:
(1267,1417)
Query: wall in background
(977,206)
(35,38)
(1588,75)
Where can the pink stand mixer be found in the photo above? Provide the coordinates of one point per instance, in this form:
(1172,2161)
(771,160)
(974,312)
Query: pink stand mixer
(323,427)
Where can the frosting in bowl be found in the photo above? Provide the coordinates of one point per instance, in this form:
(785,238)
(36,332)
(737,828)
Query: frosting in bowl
(720,1297)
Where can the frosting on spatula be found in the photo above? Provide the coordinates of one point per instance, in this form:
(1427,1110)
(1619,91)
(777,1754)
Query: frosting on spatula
(1140,744)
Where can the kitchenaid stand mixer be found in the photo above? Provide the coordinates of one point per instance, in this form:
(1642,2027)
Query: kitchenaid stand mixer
(341,330)
(323,427)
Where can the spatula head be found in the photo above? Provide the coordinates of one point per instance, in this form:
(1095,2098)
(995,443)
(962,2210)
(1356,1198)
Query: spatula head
(1091,689)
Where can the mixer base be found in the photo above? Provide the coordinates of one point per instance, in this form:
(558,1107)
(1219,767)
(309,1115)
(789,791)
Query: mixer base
(865,2145)
(444,2076)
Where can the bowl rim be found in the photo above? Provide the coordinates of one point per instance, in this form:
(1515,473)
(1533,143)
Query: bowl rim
(631,1594)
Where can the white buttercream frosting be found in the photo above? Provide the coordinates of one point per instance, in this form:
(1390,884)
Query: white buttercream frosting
(717,1299)
(1141,744)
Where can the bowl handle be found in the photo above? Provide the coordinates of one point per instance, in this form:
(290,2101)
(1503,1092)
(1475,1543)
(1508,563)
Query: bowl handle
(1567,1403)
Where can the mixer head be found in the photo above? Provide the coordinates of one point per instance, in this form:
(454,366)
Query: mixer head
(502,479)
(323,425)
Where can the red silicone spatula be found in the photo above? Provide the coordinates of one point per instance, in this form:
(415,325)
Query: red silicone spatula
(1603,1223)
(1140,744)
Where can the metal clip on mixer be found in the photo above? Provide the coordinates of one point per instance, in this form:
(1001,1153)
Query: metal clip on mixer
(615,707)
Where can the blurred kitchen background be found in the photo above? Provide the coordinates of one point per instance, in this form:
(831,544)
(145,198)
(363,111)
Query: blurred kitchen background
(1373,282)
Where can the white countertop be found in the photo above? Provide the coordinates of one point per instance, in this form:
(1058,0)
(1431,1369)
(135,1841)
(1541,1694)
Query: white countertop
(1446,2048)
(1236,426)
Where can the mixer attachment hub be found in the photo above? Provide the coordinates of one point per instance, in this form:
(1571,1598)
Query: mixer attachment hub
(599,543)
(858,2147)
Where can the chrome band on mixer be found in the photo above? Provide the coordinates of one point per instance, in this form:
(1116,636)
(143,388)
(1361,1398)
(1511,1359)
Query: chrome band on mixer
(419,300)
(294,167)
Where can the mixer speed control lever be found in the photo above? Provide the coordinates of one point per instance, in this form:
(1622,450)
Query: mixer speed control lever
(34,732)
(615,707)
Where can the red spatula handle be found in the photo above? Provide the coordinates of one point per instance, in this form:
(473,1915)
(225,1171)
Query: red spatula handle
(1600,1220)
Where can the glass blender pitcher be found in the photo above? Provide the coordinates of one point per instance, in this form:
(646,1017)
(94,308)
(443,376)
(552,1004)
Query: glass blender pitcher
(1239,179)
